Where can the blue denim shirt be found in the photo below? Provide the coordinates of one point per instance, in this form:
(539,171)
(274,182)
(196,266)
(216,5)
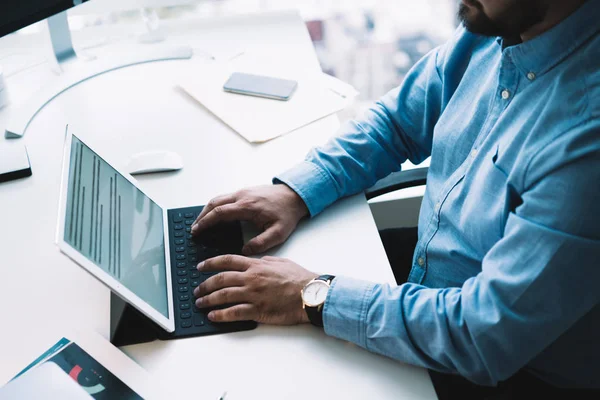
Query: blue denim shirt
(506,272)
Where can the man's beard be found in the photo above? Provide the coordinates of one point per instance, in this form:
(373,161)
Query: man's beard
(518,17)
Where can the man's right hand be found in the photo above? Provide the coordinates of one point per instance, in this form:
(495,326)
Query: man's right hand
(275,209)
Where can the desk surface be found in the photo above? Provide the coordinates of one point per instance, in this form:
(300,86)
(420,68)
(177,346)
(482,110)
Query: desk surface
(42,292)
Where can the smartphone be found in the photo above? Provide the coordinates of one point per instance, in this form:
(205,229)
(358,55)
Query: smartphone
(260,86)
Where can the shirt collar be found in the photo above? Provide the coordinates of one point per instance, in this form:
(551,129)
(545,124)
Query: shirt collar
(543,52)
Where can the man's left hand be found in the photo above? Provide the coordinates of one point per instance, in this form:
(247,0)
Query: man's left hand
(265,290)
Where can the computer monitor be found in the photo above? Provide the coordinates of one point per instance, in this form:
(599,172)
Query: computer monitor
(16,14)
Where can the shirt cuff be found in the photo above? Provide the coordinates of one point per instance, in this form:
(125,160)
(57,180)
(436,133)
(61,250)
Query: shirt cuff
(312,184)
(345,310)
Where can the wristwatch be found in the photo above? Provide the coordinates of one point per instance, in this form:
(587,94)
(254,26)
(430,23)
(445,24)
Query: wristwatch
(314,294)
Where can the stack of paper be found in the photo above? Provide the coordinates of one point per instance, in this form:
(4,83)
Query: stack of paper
(259,119)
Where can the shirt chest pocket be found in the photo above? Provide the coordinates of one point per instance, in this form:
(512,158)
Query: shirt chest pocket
(486,203)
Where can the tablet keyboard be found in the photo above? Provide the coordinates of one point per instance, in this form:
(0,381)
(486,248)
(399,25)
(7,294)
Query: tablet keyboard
(186,252)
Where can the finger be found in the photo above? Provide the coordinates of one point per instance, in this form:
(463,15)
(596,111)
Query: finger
(226,212)
(217,201)
(228,262)
(222,297)
(219,281)
(239,312)
(263,242)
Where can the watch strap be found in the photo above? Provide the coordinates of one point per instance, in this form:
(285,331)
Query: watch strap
(326,278)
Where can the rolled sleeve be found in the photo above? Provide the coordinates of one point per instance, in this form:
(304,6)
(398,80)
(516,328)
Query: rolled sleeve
(346,307)
(312,184)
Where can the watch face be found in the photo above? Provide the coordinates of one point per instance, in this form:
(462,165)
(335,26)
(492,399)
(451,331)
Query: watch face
(315,293)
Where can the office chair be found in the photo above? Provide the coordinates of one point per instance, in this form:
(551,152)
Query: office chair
(397,221)
(398,180)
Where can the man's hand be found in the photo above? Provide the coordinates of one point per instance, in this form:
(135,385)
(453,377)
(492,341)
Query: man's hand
(266,290)
(276,209)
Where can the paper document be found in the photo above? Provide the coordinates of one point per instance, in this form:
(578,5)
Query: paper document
(259,119)
(48,381)
(99,370)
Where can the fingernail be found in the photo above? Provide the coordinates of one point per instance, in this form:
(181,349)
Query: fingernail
(211,315)
(200,266)
(194,227)
(196,291)
(199,302)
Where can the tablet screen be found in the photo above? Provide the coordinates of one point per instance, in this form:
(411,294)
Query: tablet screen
(116,226)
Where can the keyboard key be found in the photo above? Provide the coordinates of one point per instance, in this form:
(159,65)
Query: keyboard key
(178,227)
(180,257)
(182,281)
(189,221)
(186,323)
(184,297)
(180,249)
(185,315)
(189,235)
(188,229)
(198,320)
(194,283)
(179,234)
(193,251)
(184,306)
(180,242)
(182,272)
(183,289)
(191,243)
(181,264)
(193,258)
(194,274)
(190,215)
(178,217)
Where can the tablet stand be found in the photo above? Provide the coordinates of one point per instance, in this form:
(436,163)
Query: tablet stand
(129,326)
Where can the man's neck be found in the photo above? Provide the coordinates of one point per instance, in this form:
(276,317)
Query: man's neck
(556,12)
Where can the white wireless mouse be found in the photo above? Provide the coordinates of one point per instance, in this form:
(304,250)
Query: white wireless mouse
(154,161)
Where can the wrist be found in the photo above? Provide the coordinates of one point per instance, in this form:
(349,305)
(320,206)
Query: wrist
(299,208)
(303,317)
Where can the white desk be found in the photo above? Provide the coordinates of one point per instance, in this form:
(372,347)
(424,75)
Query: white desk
(42,292)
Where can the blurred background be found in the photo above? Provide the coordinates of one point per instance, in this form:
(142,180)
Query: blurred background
(370,44)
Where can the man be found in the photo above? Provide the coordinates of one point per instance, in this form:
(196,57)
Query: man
(500,293)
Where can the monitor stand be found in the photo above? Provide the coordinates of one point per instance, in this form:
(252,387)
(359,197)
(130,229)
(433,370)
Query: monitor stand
(79,70)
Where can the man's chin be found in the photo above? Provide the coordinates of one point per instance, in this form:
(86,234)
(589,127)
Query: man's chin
(475,20)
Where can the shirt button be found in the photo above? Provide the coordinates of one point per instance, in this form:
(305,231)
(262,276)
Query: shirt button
(421,261)
(505,94)
(531,76)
